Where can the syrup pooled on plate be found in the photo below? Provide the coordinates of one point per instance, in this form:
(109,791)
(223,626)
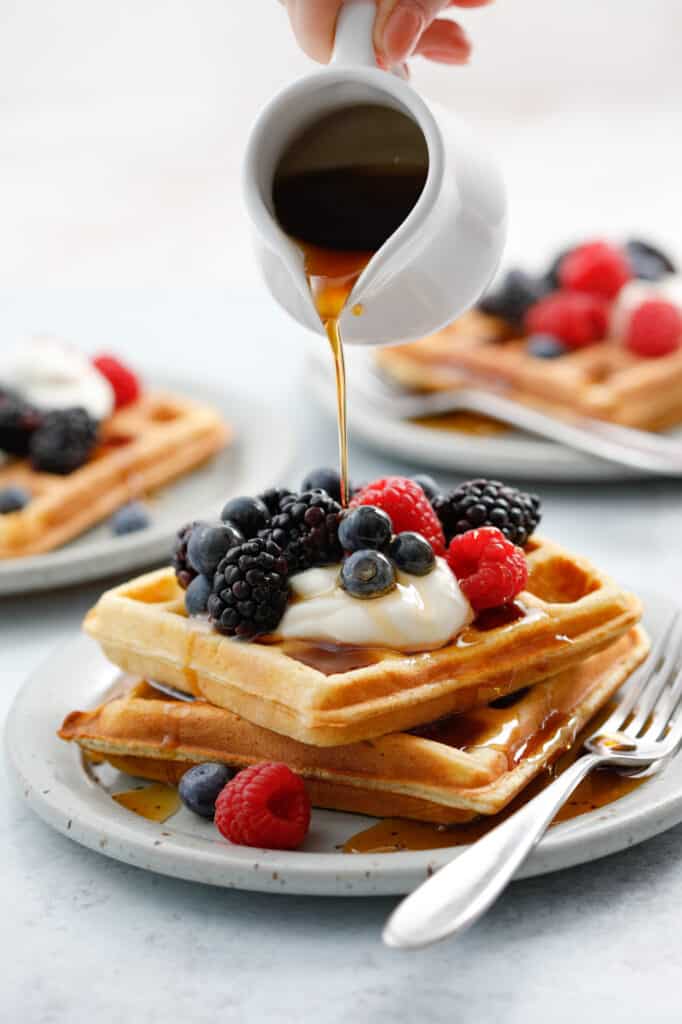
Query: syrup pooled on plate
(156,802)
(341,189)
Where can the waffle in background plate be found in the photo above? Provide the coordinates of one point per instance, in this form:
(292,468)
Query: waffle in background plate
(143,446)
(332,697)
(450,771)
(602,380)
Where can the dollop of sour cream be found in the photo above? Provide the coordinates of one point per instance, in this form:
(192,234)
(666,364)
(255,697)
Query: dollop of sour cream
(421,613)
(634,293)
(53,375)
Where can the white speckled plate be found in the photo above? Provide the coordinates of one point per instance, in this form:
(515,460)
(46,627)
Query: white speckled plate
(512,454)
(50,775)
(250,464)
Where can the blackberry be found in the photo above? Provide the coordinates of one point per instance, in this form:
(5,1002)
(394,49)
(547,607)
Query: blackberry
(647,261)
(488,503)
(18,422)
(250,589)
(516,294)
(306,528)
(63,441)
(184,572)
(272,498)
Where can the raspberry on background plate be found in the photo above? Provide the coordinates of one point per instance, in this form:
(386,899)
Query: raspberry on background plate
(265,805)
(575,318)
(124,383)
(655,329)
(596,268)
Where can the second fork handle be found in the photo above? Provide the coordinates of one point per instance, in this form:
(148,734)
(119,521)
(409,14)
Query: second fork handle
(457,895)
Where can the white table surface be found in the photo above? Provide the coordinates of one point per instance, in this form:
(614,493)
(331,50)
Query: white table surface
(84,938)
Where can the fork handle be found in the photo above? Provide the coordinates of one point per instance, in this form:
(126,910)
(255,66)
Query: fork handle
(457,895)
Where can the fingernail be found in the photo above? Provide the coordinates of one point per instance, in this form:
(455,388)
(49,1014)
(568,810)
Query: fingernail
(402,32)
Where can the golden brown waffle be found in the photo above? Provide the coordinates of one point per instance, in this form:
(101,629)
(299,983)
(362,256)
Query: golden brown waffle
(603,380)
(329,697)
(469,764)
(142,447)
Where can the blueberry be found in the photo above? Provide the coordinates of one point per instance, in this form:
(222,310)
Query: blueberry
(201,786)
(514,296)
(367,574)
(551,278)
(209,543)
(427,484)
(648,262)
(365,527)
(326,480)
(249,515)
(129,519)
(197,595)
(412,553)
(545,346)
(13,499)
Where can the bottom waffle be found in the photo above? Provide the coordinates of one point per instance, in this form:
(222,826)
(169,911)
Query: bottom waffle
(449,771)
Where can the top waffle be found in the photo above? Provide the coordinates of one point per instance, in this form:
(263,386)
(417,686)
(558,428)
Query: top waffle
(143,446)
(329,697)
(602,380)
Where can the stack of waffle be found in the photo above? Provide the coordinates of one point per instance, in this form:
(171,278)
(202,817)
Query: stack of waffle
(442,736)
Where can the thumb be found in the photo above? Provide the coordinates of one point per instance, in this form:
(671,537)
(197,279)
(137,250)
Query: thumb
(314,25)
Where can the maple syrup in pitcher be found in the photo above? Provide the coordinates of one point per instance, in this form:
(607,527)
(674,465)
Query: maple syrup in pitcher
(341,189)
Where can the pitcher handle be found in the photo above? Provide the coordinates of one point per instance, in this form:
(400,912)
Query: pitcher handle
(353,43)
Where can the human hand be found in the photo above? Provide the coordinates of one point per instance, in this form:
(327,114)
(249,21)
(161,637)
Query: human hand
(401,29)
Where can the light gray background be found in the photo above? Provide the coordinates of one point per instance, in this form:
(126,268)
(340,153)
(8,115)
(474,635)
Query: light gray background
(121,226)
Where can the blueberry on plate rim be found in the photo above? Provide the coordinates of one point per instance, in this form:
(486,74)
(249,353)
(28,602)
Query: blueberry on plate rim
(201,785)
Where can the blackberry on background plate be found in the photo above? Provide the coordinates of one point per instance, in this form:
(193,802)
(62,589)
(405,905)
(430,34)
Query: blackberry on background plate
(514,296)
(184,572)
(64,441)
(250,589)
(488,503)
(306,529)
(18,422)
(648,262)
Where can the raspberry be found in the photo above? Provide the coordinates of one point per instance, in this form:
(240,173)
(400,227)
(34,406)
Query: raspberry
(490,569)
(407,505)
(596,268)
(655,329)
(124,383)
(265,805)
(575,318)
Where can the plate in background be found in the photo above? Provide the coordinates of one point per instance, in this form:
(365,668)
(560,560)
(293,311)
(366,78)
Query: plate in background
(249,465)
(511,454)
(50,775)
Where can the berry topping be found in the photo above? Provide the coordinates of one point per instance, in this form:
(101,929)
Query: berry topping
(18,422)
(367,574)
(545,346)
(551,277)
(648,262)
(124,383)
(364,527)
(197,595)
(491,571)
(129,519)
(596,268)
(427,484)
(265,805)
(407,505)
(575,318)
(209,543)
(306,529)
(201,785)
(412,554)
(272,498)
(63,441)
(250,589)
(655,329)
(488,503)
(13,499)
(513,297)
(249,515)
(324,480)
(184,573)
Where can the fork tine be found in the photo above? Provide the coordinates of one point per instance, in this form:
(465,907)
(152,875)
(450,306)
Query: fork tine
(665,709)
(660,679)
(639,680)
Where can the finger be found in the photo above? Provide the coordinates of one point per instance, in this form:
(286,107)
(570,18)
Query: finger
(469,3)
(399,25)
(314,25)
(445,42)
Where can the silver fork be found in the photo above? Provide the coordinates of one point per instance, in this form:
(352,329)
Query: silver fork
(644,729)
(636,449)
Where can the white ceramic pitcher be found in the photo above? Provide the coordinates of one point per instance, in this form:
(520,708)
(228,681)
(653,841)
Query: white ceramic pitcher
(445,252)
